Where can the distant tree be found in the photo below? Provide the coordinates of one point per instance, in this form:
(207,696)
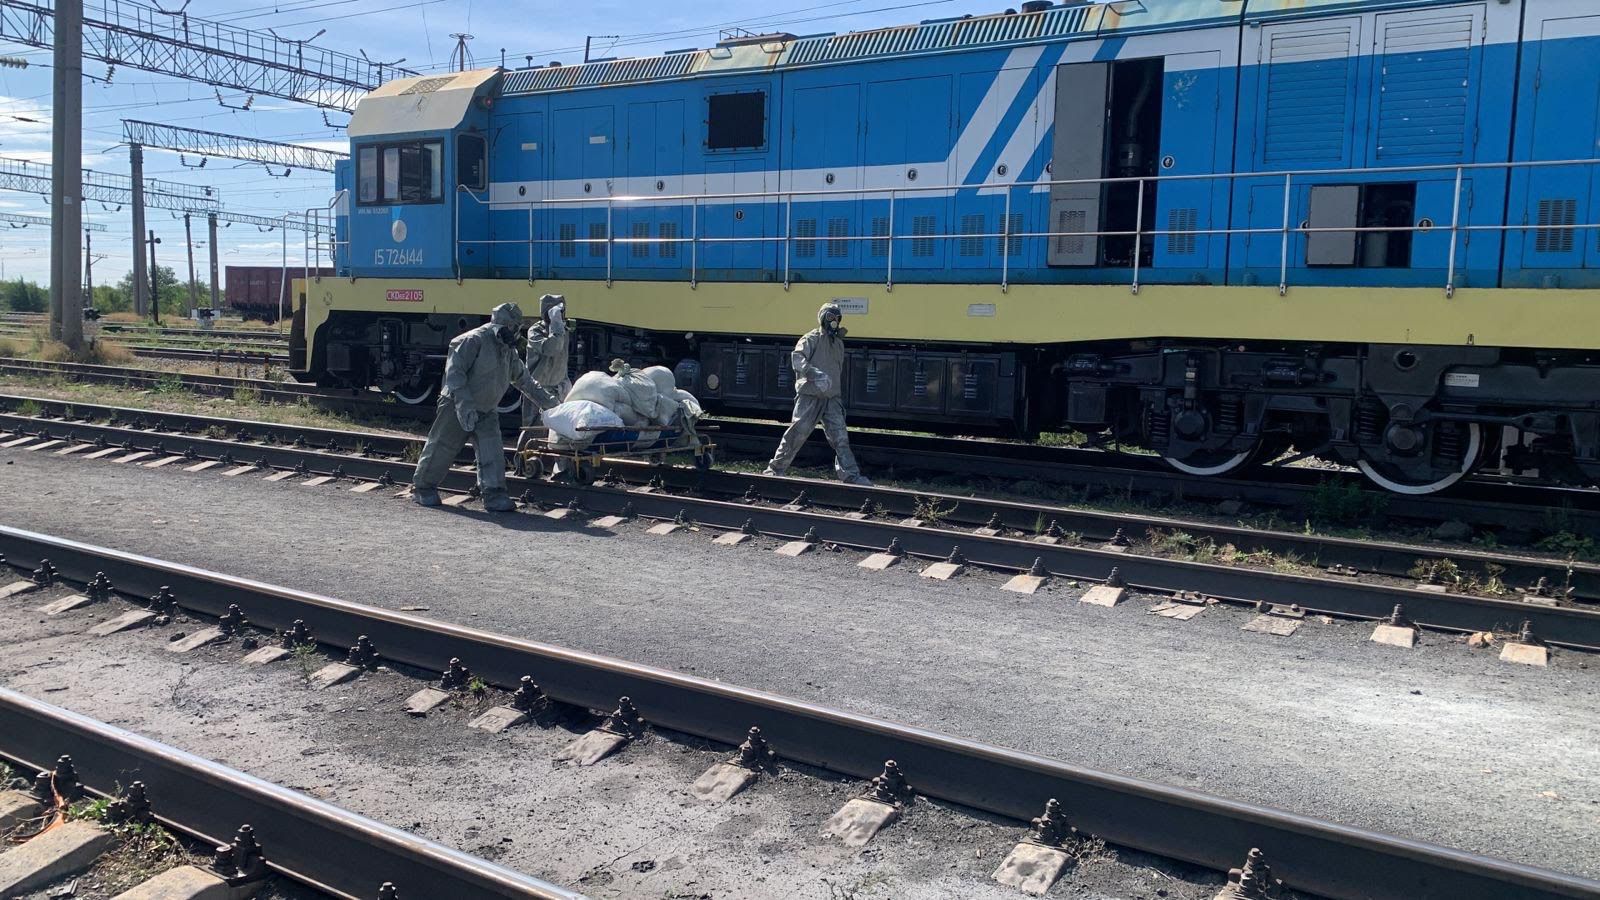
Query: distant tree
(174,293)
(24,296)
(110,299)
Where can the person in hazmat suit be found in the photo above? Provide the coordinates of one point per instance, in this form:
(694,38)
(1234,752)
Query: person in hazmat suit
(547,353)
(480,365)
(818,362)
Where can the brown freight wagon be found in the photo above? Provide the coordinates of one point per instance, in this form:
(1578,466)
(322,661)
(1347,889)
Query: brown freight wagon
(254,291)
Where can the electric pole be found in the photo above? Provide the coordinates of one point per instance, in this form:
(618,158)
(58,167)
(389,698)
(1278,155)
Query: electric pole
(88,268)
(216,304)
(66,183)
(188,239)
(155,275)
(141,278)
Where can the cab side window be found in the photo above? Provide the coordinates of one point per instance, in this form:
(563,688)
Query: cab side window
(472,162)
(368,175)
(412,172)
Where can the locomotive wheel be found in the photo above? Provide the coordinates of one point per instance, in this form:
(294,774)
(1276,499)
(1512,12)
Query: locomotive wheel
(1387,477)
(416,393)
(1212,463)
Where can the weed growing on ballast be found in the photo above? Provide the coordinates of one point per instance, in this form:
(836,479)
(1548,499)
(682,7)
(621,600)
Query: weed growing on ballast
(143,849)
(305,659)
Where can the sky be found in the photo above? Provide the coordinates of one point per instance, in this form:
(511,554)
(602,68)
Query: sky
(419,32)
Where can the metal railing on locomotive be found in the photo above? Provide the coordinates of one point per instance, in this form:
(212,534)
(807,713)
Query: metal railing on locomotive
(320,220)
(1140,234)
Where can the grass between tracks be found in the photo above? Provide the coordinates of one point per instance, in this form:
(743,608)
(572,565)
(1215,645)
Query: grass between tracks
(168,395)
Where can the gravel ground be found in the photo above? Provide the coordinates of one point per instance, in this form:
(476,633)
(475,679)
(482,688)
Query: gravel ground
(1442,743)
(627,827)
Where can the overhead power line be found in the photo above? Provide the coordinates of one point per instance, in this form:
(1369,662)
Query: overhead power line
(130,34)
(24,220)
(230,146)
(106,187)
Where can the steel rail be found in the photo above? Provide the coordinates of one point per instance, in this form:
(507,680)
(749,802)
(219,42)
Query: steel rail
(187,354)
(1340,596)
(1324,858)
(1368,556)
(306,839)
(151,339)
(1516,505)
(1481,502)
(221,386)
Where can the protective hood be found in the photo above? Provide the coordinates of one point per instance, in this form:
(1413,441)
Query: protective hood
(506,315)
(549,302)
(832,309)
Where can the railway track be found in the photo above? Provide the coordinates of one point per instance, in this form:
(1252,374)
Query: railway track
(1486,503)
(757,504)
(183,354)
(12,324)
(314,843)
(1308,854)
(133,339)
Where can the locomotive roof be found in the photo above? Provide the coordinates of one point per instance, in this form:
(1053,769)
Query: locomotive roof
(1078,20)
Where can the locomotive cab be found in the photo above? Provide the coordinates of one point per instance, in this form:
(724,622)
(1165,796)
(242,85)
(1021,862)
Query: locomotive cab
(420,160)
(413,202)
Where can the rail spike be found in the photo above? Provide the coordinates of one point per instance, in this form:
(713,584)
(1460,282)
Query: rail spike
(46,574)
(890,786)
(1051,828)
(363,655)
(232,621)
(297,636)
(529,698)
(755,753)
(100,588)
(624,721)
(456,676)
(242,861)
(1253,882)
(131,808)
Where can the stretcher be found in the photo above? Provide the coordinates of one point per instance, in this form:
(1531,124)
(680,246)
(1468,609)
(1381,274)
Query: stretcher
(536,456)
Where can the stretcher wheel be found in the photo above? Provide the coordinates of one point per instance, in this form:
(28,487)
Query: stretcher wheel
(705,460)
(583,473)
(532,467)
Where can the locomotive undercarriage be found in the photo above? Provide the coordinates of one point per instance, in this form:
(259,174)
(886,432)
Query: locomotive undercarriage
(1413,419)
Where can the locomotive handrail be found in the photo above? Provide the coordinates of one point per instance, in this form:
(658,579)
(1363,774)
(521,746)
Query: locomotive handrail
(1286,228)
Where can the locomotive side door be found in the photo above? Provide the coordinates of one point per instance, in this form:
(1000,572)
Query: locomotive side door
(517,166)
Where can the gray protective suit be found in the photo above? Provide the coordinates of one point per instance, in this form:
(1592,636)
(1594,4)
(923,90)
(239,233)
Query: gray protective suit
(547,353)
(818,362)
(480,365)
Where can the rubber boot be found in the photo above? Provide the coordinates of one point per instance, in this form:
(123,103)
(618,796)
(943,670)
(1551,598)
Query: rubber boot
(425,497)
(499,502)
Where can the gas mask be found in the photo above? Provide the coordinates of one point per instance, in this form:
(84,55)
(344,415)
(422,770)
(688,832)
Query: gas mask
(830,323)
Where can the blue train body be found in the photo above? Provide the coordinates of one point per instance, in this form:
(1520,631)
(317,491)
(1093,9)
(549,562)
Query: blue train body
(1370,105)
(1001,181)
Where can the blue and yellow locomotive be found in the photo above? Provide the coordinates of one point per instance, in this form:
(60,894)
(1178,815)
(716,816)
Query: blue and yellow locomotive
(1216,228)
